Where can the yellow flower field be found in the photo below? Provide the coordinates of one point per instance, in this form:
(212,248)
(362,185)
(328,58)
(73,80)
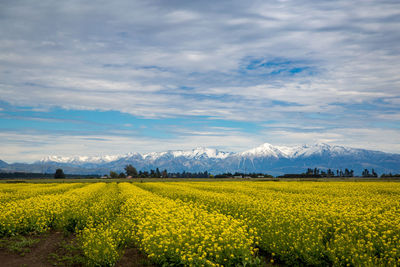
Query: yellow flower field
(225,223)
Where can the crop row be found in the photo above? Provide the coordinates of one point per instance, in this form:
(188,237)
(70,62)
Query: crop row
(170,232)
(307,223)
(60,209)
(10,193)
(218,223)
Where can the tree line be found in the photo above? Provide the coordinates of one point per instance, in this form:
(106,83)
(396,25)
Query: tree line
(59,174)
(330,172)
(131,172)
(317,173)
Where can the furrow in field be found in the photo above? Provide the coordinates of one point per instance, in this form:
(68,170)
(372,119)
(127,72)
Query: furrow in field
(170,232)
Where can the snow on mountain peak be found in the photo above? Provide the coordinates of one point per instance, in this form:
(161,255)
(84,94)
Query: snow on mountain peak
(200,152)
(193,153)
(320,148)
(264,150)
(266,158)
(268,150)
(84,159)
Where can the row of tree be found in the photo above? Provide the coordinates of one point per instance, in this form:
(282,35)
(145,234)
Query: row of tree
(317,173)
(59,174)
(131,172)
(310,173)
(329,173)
(366,173)
(390,175)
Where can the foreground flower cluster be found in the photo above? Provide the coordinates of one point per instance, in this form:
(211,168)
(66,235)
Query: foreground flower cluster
(308,223)
(216,223)
(171,231)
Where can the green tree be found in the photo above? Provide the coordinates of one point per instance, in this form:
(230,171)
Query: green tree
(366,173)
(113,174)
(122,175)
(59,174)
(131,171)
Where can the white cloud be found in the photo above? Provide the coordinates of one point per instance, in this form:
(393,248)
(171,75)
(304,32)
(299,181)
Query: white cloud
(181,16)
(136,57)
(29,147)
(373,139)
(390,117)
(32,146)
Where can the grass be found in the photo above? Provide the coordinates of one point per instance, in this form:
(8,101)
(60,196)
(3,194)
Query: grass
(18,244)
(67,254)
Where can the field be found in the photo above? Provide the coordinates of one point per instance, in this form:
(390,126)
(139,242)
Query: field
(225,223)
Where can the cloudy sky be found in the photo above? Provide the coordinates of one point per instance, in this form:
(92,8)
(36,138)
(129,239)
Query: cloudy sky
(111,77)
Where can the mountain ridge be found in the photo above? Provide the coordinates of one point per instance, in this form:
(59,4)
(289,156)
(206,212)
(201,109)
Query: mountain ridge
(265,149)
(266,158)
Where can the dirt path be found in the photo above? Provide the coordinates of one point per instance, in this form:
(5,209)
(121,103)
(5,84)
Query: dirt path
(38,254)
(51,250)
(134,258)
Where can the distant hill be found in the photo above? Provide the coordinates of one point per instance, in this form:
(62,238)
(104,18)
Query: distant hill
(275,160)
(3,164)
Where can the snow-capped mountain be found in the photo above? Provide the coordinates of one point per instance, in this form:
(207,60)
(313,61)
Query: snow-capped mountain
(83,159)
(265,150)
(268,150)
(197,153)
(265,158)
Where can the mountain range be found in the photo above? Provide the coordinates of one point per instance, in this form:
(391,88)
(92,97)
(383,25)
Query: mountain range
(267,158)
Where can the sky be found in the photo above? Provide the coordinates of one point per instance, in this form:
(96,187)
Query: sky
(112,77)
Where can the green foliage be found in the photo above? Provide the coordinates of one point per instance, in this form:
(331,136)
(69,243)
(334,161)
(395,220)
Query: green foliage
(131,171)
(18,244)
(113,174)
(59,174)
(68,254)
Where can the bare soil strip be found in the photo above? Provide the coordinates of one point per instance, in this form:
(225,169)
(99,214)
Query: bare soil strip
(54,249)
(134,258)
(36,255)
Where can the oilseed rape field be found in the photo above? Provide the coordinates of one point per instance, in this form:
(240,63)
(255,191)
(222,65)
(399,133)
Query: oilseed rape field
(219,223)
